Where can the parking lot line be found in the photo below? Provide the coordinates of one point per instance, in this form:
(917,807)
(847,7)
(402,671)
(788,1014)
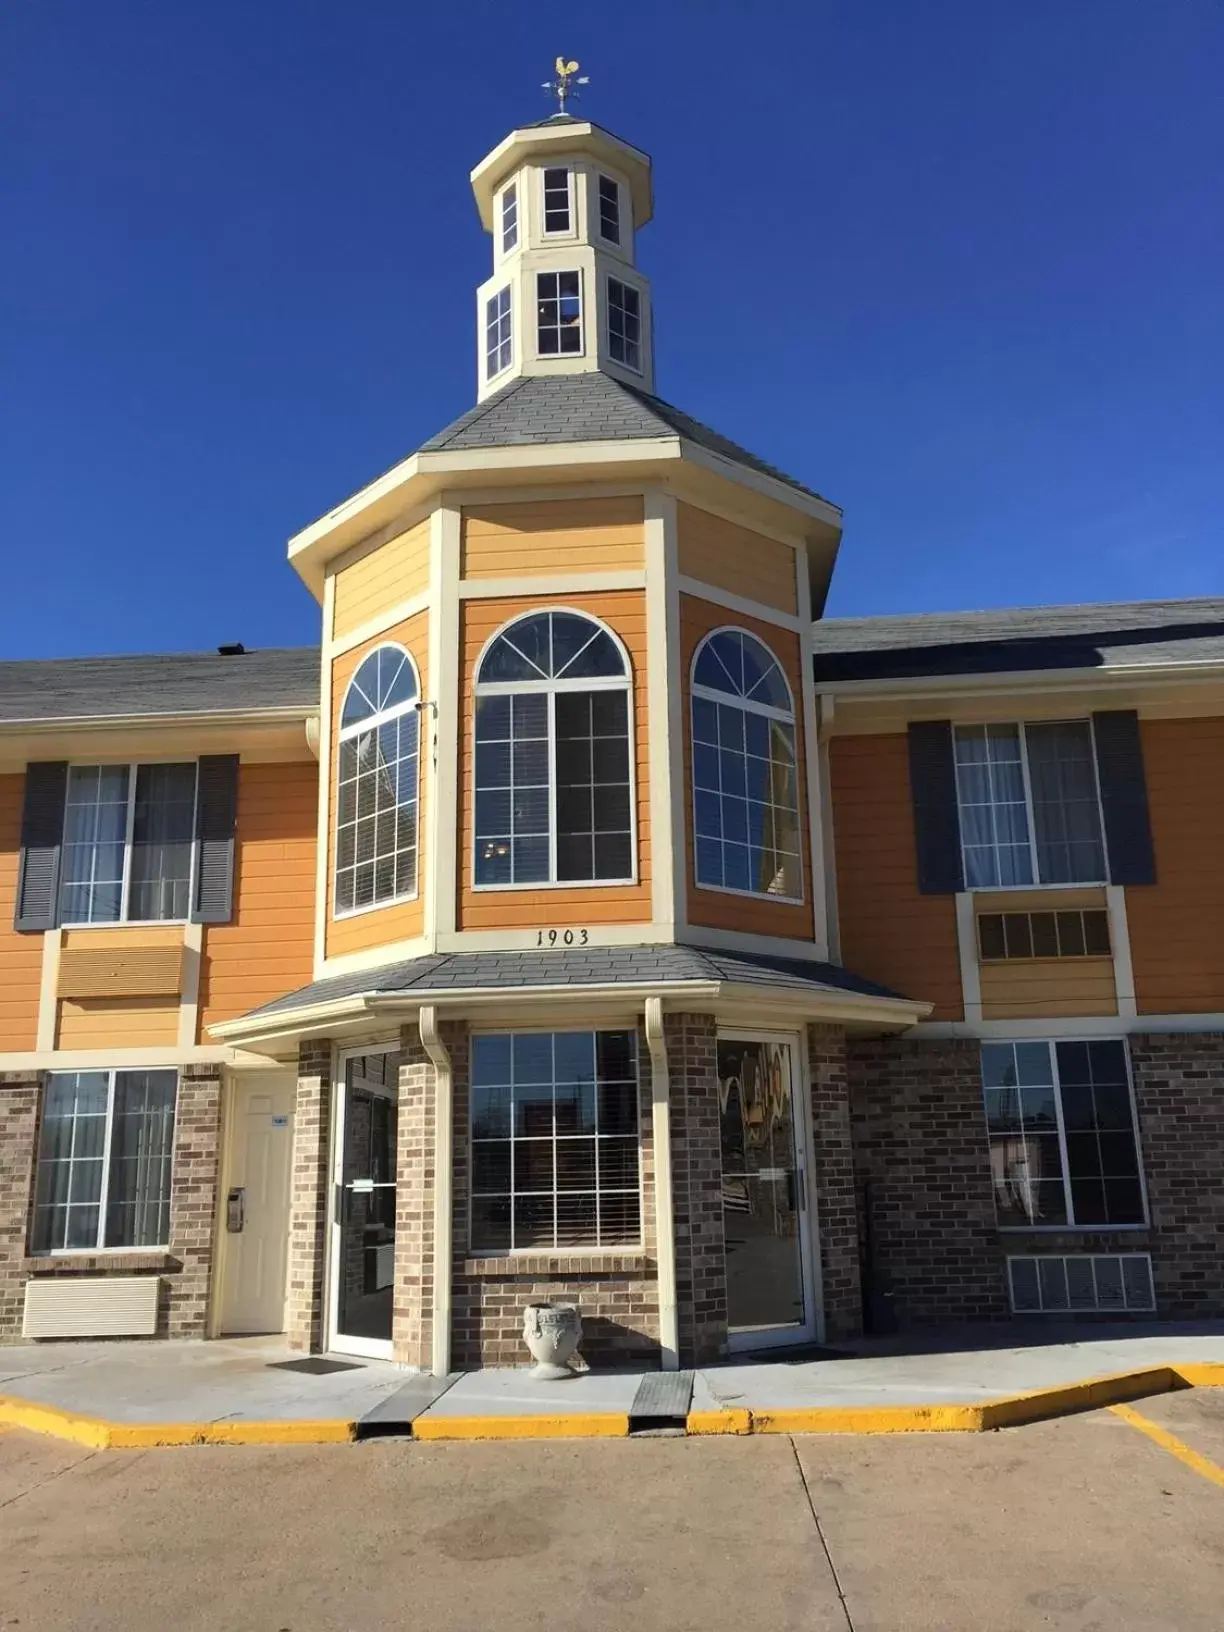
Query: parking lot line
(1170,1442)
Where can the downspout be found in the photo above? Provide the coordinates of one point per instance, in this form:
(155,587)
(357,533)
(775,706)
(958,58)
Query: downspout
(665,1234)
(427,1022)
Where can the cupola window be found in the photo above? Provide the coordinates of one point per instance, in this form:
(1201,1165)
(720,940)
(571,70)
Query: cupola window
(498,337)
(609,210)
(559,313)
(624,324)
(554,797)
(378,770)
(745,777)
(509,219)
(557,202)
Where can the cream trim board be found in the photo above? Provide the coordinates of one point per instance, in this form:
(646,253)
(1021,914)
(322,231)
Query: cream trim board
(660,519)
(48,990)
(322,893)
(738,603)
(735,940)
(817,850)
(829,854)
(399,613)
(528,940)
(661,1154)
(445,661)
(118,1059)
(374,957)
(970,969)
(557,492)
(1119,936)
(1105,1025)
(770,487)
(677,724)
(189,999)
(589,583)
(816,1268)
(403,523)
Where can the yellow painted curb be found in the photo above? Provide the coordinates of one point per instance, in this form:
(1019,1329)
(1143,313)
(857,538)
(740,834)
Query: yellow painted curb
(869,1419)
(50,1420)
(1201,1374)
(579,1425)
(100,1435)
(731,1421)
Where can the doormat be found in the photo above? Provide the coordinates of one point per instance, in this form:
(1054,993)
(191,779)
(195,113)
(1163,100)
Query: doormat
(315,1365)
(787,1357)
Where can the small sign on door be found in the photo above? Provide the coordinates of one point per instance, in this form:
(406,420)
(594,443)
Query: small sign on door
(280,1121)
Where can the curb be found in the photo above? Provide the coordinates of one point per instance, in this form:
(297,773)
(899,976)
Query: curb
(1009,1411)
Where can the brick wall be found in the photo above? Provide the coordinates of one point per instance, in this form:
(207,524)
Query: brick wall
(412,1317)
(835,1196)
(304,1322)
(193,1197)
(701,1264)
(18,1135)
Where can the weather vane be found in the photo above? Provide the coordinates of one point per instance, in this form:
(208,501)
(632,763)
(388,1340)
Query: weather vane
(562,87)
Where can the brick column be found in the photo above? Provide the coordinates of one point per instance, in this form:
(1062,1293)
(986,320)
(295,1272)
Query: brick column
(193,1197)
(412,1317)
(304,1322)
(19,1094)
(701,1263)
(836,1207)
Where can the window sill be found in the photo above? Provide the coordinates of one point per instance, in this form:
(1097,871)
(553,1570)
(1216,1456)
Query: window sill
(561,1264)
(558,884)
(751,895)
(129,923)
(1030,889)
(340,917)
(115,1260)
(1072,1229)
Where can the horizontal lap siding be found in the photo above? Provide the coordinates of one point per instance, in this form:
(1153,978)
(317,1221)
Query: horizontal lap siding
(1048,988)
(625,613)
(404,920)
(1177,946)
(715,909)
(122,939)
(118,1022)
(731,557)
(889,932)
(553,536)
(20,955)
(268,947)
(392,573)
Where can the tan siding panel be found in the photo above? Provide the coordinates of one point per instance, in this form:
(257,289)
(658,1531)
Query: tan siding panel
(730,557)
(713,908)
(392,573)
(118,1022)
(889,932)
(121,937)
(403,920)
(624,612)
(268,947)
(554,536)
(1048,988)
(1048,900)
(20,955)
(1177,943)
(136,971)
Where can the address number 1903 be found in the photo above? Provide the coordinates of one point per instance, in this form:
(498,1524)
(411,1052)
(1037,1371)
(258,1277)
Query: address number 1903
(563,937)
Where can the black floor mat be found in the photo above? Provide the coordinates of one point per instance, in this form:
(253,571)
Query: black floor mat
(315,1365)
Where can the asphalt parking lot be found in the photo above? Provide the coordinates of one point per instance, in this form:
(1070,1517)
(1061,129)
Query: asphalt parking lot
(1086,1524)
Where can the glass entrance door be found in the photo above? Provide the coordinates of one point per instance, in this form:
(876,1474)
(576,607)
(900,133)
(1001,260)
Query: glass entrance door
(765,1216)
(363,1205)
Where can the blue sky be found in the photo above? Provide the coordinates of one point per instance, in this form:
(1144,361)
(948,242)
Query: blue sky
(956,265)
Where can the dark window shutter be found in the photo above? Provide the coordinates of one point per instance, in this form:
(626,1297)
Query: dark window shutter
(212,897)
(936,818)
(42,832)
(1124,803)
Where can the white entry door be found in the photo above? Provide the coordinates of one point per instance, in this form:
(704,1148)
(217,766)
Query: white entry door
(256,1204)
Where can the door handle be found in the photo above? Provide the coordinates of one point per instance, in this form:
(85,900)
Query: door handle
(235,1210)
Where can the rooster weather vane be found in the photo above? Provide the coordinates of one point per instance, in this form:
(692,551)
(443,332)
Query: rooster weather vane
(563,85)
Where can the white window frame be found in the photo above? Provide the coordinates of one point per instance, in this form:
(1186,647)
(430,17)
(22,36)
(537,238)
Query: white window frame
(559,272)
(730,700)
(508,688)
(132,766)
(110,1072)
(1052,1043)
(508,204)
(625,283)
(628,1247)
(568,231)
(506,289)
(1036,884)
(600,179)
(343,734)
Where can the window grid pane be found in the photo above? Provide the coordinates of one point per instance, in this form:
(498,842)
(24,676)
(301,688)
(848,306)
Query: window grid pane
(609,210)
(554,1141)
(993,809)
(376,813)
(163,827)
(95,836)
(509,219)
(624,324)
(512,789)
(594,826)
(559,313)
(498,337)
(556,200)
(1066,812)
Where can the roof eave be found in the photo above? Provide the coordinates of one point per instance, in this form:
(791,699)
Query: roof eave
(582,137)
(1019,679)
(289,713)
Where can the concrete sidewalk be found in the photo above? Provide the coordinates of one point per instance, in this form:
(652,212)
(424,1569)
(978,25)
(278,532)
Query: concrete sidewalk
(239,1391)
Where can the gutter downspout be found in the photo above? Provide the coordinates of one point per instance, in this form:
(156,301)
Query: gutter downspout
(660,1093)
(427,1022)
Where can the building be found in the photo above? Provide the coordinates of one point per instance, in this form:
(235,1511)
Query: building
(587,917)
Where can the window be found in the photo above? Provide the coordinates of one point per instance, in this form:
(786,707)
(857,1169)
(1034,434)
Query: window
(104,1160)
(509,219)
(1074,934)
(745,784)
(624,324)
(1029,809)
(376,794)
(128,832)
(1064,1149)
(498,349)
(556,201)
(609,209)
(553,785)
(554,1141)
(559,313)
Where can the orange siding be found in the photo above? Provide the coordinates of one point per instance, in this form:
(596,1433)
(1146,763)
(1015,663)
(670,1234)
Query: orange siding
(624,612)
(268,948)
(730,557)
(713,908)
(118,1022)
(20,955)
(889,932)
(1177,950)
(555,535)
(405,919)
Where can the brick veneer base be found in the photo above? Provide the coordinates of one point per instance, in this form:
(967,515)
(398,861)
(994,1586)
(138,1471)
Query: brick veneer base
(308,1197)
(835,1196)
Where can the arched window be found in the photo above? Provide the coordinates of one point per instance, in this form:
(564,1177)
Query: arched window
(377,780)
(745,780)
(554,796)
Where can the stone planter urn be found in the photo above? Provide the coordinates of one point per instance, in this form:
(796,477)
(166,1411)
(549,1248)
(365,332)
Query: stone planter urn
(552,1331)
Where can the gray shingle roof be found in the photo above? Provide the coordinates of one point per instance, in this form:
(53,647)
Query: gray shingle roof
(70,688)
(1109,634)
(588,966)
(590,407)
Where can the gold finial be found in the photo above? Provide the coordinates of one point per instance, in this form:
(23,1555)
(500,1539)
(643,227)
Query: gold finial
(562,87)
